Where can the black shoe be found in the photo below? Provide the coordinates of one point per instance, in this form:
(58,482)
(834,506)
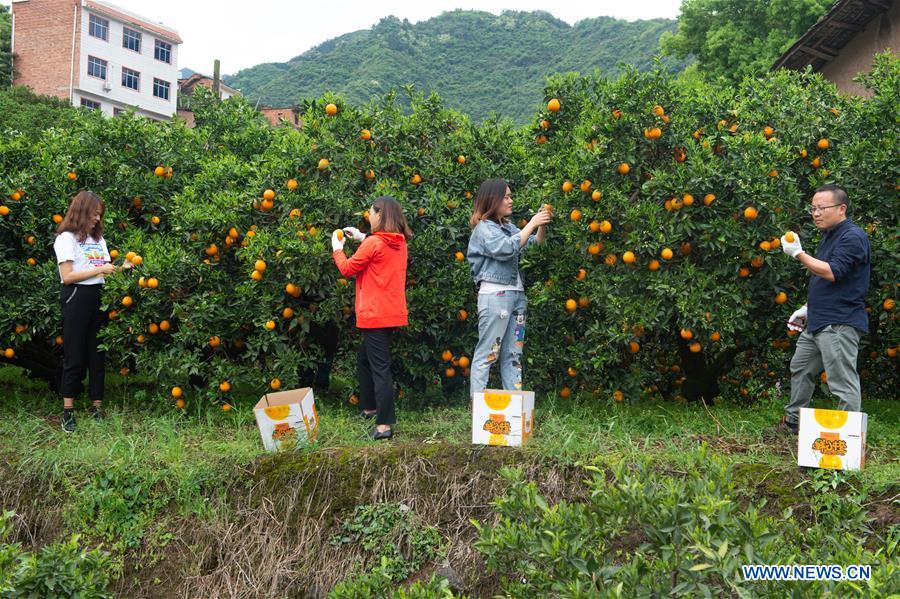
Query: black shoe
(379,435)
(365,414)
(68,421)
(97,413)
(785,428)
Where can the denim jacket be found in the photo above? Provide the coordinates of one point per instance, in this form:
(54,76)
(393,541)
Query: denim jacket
(494,252)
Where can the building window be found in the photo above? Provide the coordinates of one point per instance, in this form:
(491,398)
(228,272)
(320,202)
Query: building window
(98,27)
(163,52)
(161,88)
(97,67)
(85,103)
(131,79)
(131,39)
(118,111)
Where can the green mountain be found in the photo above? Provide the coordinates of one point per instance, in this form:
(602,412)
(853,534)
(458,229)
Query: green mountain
(476,61)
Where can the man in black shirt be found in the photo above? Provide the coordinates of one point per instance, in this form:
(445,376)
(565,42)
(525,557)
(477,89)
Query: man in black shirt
(834,316)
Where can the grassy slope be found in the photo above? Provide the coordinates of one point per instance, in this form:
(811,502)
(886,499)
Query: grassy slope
(201,470)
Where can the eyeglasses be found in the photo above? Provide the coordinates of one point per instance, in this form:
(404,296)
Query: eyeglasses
(815,209)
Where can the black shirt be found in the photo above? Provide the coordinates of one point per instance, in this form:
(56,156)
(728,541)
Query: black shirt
(845,247)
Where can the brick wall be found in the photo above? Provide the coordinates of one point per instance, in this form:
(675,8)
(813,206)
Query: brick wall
(274,116)
(43,45)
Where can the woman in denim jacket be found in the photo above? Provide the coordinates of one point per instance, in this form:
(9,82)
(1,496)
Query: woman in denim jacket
(494,249)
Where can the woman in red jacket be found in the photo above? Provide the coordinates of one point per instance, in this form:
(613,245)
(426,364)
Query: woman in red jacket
(379,266)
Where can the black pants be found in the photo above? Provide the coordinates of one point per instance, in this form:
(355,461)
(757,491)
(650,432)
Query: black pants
(82,319)
(376,386)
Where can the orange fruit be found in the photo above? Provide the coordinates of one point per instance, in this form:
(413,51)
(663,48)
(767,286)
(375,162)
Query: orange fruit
(594,226)
(9,353)
(688,199)
(708,199)
(596,195)
(153,328)
(653,265)
(605,226)
(715,336)
(292,290)
(459,256)
(553,105)
(616,113)
(260,265)
(287,313)
(464,361)
(888,304)
(565,392)
(270,325)
(750,213)
(415,179)
(571,305)
(365,135)
(765,246)
(594,249)
(323,164)
(575,215)
(816,162)
(275,384)
(152,283)
(449,372)
(687,334)
(585,185)
(623,168)
(666,254)
(292,184)
(164,325)
(31,262)
(540,139)
(159,171)
(685,248)
(462,315)
(567,186)
(634,347)
(822,144)
(545,124)
(583,302)
(57,218)
(4,210)
(447,355)
(331,109)
(582,274)
(610,259)
(224,386)
(177,392)
(268,194)
(214,341)
(773,172)
(256,275)
(659,110)
(789,237)
(695,347)
(743,272)
(461,159)
(781,297)
(768,132)
(628,257)
(179,404)
(127,301)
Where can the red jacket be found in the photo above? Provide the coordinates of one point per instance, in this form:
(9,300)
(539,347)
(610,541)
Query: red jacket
(379,266)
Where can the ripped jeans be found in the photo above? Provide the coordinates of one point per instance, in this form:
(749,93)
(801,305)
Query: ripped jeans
(501,337)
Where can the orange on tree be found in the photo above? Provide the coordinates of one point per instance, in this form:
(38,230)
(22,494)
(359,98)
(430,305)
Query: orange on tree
(127,301)
(687,334)
(888,304)
(571,305)
(179,404)
(224,386)
(447,355)
(596,195)
(628,257)
(292,184)
(459,256)
(270,325)
(666,254)
(287,312)
(575,215)
(565,392)
(9,353)
(750,213)
(322,164)
(618,395)
(634,347)
(214,341)
(331,109)
(464,361)
(462,315)
(365,135)
(582,274)
(709,199)
(715,336)
(822,144)
(269,194)
(461,159)
(695,347)
(595,248)
(256,275)
(781,297)
(567,186)
(553,105)
(275,384)
(164,325)
(653,265)
(583,302)
(623,168)
(159,171)
(605,226)
(585,185)
(177,392)
(594,226)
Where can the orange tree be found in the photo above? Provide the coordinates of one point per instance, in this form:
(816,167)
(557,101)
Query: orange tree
(669,197)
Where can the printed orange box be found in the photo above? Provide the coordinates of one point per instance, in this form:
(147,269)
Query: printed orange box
(832,439)
(287,418)
(502,417)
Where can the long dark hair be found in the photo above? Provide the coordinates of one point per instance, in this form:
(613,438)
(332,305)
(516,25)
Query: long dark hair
(79,218)
(488,200)
(392,218)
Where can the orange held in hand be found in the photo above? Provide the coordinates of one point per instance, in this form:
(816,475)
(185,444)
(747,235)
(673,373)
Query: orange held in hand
(789,237)
(339,234)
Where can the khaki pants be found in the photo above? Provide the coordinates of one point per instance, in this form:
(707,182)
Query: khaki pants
(834,350)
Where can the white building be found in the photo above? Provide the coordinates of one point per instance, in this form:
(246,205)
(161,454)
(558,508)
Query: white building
(96,55)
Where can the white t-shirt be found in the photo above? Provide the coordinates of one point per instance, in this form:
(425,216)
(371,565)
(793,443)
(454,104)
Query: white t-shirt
(488,287)
(89,254)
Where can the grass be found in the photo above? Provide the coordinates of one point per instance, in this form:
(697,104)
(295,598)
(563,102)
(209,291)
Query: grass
(186,466)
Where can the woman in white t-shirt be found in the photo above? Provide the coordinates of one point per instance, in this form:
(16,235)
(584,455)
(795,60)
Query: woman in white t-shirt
(493,253)
(83,261)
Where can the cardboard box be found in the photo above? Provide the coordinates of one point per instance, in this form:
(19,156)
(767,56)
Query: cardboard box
(832,439)
(287,419)
(502,417)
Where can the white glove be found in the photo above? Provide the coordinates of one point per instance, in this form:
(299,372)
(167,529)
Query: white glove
(797,321)
(791,248)
(355,233)
(337,245)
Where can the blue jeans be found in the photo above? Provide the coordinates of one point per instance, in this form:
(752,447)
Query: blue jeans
(501,337)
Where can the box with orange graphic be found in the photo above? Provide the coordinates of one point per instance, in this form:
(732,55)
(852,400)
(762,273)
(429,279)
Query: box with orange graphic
(287,418)
(502,417)
(832,439)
